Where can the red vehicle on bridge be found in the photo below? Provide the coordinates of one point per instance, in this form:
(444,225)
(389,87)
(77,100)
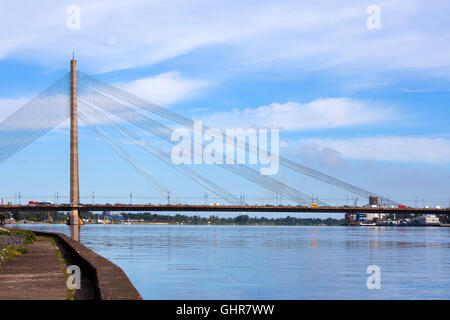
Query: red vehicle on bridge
(402,206)
(34,203)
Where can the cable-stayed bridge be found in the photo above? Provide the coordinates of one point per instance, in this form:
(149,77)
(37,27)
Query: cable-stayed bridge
(78,95)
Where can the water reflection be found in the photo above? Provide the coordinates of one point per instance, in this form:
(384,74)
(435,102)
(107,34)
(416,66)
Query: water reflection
(75,231)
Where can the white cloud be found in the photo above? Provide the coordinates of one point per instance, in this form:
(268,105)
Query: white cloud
(119,34)
(295,116)
(166,88)
(433,150)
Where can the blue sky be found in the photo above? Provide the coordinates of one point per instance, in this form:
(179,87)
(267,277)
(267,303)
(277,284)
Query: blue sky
(367,106)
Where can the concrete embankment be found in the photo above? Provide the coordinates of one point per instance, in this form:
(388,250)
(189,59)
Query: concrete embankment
(109,281)
(38,273)
(35,275)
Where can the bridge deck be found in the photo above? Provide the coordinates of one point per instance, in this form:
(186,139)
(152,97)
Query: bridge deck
(222,208)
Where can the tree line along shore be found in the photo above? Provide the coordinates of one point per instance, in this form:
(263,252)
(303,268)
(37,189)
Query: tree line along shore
(148,217)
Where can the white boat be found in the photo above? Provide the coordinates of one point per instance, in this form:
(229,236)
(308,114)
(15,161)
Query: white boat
(367,224)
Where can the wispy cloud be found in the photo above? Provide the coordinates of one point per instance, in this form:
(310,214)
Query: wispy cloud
(407,149)
(294,116)
(315,35)
(166,88)
(326,156)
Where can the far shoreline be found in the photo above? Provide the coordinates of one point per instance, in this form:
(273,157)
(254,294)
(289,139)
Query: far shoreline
(225,225)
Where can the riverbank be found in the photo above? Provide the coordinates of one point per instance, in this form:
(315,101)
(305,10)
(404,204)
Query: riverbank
(109,281)
(41,273)
(34,275)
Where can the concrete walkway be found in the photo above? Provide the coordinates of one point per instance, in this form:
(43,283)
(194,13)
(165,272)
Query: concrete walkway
(35,275)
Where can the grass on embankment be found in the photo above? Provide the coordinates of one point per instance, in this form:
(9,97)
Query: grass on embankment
(63,264)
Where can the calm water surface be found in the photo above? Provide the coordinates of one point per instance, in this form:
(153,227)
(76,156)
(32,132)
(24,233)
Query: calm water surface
(236,262)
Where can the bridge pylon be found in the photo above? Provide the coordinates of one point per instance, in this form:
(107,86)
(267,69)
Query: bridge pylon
(74,218)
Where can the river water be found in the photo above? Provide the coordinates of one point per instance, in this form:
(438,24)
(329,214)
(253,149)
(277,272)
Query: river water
(255,262)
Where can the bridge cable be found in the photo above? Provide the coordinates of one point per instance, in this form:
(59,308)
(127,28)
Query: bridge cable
(164,132)
(173,116)
(155,182)
(40,115)
(131,136)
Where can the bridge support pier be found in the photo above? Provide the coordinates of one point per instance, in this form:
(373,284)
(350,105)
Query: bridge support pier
(74,218)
